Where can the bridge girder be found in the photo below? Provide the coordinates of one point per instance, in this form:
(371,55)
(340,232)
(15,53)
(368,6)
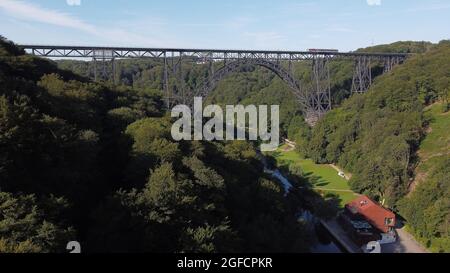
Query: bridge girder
(314,100)
(215,54)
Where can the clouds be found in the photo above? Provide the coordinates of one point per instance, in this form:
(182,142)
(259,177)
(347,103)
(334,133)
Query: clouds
(374,2)
(31,12)
(28,12)
(73,2)
(251,24)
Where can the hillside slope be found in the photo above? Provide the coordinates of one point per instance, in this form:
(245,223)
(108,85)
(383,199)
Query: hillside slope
(96,163)
(427,205)
(435,147)
(400,47)
(376,137)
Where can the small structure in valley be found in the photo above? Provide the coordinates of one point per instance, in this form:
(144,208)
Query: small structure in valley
(366,221)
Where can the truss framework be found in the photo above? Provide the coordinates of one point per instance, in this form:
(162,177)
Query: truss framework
(320,95)
(314,100)
(101,69)
(200,54)
(390,62)
(362,77)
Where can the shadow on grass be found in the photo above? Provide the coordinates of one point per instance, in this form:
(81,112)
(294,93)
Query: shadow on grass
(324,205)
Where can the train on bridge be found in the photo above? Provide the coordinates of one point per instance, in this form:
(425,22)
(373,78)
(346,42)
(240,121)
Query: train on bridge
(321,50)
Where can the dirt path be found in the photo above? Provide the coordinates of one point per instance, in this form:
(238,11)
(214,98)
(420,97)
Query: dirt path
(290,145)
(347,177)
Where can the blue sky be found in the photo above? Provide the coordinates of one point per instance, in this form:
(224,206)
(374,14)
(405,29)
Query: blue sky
(230,24)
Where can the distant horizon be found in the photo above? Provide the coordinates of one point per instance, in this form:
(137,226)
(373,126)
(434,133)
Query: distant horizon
(285,25)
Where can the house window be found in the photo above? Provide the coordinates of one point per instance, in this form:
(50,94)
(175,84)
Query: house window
(388,221)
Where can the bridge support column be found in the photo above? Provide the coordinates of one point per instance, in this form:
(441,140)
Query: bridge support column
(113,71)
(174,93)
(319,96)
(390,62)
(180,81)
(362,77)
(94,61)
(105,72)
(166,81)
(211,68)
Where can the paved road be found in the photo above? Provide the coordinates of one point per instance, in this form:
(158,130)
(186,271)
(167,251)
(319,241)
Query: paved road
(405,241)
(405,244)
(340,235)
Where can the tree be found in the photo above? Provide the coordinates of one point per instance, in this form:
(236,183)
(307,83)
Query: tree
(427,209)
(26,227)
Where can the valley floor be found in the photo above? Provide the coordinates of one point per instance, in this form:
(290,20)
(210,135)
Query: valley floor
(323,178)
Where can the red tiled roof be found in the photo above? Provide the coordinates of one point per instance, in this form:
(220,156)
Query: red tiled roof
(372,211)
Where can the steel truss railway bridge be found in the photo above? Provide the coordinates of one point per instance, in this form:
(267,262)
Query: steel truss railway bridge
(315,98)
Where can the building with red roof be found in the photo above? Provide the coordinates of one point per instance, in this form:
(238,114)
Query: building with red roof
(378,216)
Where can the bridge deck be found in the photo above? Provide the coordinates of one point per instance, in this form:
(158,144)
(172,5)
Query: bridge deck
(217,54)
(315,101)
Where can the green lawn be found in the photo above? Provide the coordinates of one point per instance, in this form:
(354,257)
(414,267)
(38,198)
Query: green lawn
(440,124)
(436,145)
(323,178)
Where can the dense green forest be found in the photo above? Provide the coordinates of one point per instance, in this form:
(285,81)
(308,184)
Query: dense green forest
(376,136)
(95,163)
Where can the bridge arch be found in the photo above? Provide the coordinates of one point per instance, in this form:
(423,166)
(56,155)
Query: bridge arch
(210,84)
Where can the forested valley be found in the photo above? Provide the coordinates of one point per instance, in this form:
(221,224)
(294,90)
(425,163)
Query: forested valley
(376,137)
(95,161)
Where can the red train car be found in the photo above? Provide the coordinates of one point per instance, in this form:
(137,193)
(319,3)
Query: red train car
(317,50)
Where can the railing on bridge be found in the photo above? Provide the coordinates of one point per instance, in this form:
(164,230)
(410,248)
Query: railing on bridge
(315,100)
